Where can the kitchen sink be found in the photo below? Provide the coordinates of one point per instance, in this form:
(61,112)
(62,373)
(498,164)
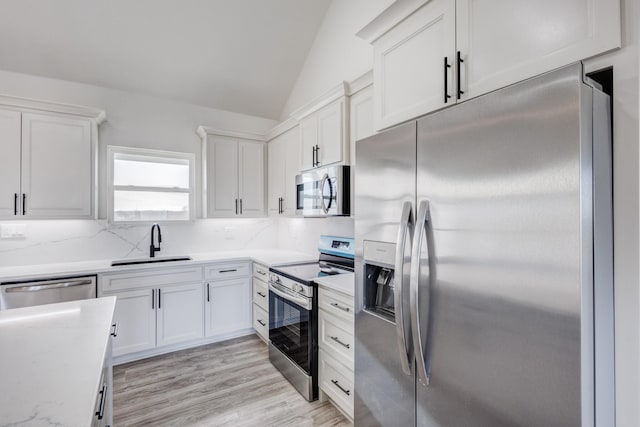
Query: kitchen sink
(149,260)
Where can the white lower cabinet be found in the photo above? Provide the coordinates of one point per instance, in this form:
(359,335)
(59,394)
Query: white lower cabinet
(261,301)
(135,315)
(179,314)
(336,348)
(165,309)
(228,306)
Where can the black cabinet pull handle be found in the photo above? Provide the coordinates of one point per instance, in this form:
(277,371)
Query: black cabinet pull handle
(24,204)
(336,339)
(228,271)
(446,80)
(15,203)
(153,299)
(337,384)
(240,206)
(313,158)
(317,155)
(114,332)
(159,299)
(460,61)
(261,322)
(103,401)
(336,305)
(208,293)
(236,206)
(262,294)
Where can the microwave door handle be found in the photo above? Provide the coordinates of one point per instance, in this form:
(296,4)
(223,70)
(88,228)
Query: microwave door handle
(404,232)
(324,179)
(422,220)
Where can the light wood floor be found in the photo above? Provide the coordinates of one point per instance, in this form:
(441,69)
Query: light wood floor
(224,384)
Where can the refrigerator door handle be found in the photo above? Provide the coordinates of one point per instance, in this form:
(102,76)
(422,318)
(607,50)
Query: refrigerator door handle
(403,232)
(419,349)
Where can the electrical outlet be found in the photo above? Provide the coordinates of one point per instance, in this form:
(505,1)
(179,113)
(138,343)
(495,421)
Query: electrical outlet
(12,231)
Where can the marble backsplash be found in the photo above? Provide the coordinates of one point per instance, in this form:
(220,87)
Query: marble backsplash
(48,242)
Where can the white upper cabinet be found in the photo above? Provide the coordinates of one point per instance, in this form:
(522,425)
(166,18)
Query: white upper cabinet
(222,175)
(251,175)
(234,176)
(410,75)
(10,137)
(284,165)
(47,165)
(331,122)
(430,54)
(361,118)
(506,41)
(57,166)
(324,136)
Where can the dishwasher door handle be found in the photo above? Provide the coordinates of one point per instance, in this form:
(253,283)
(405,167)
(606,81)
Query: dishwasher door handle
(42,287)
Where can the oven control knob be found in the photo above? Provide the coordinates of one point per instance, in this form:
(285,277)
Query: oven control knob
(297,288)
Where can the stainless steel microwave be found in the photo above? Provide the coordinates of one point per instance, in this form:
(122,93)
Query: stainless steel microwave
(324,192)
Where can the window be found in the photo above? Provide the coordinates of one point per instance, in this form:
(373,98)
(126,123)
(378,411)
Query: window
(150,185)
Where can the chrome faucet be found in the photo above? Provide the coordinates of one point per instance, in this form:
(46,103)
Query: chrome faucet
(153,248)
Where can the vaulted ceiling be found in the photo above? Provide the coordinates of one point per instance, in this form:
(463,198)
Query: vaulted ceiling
(235,55)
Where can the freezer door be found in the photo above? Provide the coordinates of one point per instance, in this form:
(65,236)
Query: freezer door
(505,273)
(384,186)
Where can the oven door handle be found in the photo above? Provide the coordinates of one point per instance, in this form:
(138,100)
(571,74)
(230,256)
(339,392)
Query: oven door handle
(302,302)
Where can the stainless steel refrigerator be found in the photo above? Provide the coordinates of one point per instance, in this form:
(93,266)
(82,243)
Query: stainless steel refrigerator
(484,284)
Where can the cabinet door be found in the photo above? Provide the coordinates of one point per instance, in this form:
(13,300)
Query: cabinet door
(409,72)
(506,41)
(308,141)
(135,315)
(331,133)
(292,168)
(222,176)
(57,166)
(180,310)
(228,307)
(251,178)
(276,169)
(10,163)
(360,119)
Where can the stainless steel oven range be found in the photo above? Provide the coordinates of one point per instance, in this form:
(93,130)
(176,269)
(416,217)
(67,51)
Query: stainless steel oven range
(293,313)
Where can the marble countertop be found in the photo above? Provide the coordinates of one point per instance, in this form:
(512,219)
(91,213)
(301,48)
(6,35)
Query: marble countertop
(344,283)
(52,359)
(268,257)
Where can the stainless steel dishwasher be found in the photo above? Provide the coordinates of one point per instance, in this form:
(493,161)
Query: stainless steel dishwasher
(27,293)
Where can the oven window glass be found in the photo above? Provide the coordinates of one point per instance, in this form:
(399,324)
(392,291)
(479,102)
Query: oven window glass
(289,330)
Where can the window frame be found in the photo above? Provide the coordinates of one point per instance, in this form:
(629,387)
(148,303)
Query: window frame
(151,154)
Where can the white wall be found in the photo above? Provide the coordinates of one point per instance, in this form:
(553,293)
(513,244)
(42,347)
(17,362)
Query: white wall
(336,54)
(134,120)
(301,234)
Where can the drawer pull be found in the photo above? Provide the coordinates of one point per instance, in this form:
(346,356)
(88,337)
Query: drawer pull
(260,272)
(336,305)
(228,271)
(261,294)
(261,322)
(336,339)
(103,401)
(114,332)
(342,389)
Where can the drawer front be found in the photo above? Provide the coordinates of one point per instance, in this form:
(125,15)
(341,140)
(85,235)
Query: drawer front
(261,322)
(336,338)
(261,272)
(336,304)
(337,382)
(226,271)
(261,294)
(148,278)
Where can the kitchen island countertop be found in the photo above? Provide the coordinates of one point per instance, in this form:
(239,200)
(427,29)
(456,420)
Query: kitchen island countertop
(53,357)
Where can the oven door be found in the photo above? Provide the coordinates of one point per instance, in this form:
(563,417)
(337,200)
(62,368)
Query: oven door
(290,327)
